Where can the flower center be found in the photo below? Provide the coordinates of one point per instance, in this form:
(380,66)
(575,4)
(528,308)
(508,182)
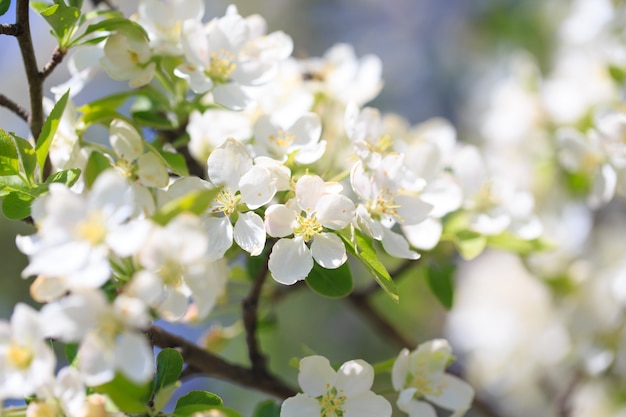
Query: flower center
(227,202)
(331,403)
(92,228)
(171,272)
(384,204)
(381,145)
(221,65)
(282,138)
(307,227)
(19,356)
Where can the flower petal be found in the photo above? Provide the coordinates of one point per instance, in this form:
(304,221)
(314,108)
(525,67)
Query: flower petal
(328,250)
(290,261)
(315,375)
(249,233)
(355,377)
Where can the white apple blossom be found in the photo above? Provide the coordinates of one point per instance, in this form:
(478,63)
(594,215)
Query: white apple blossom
(420,374)
(177,266)
(63,396)
(302,139)
(132,159)
(365,130)
(340,75)
(208,130)
(317,206)
(26,359)
(224,56)
(245,186)
(109,335)
(84,231)
(164,20)
(329,393)
(127,56)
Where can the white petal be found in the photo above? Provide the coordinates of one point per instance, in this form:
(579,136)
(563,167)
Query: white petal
(96,360)
(367,404)
(335,211)
(152,171)
(424,235)
(412,407)
(174,306)
(316,375)
(125,140)
(396,245)
(307,130)
(300,406)
(279,220)
(412,208)
(400,370)
(257,187)
(457,394)
(355,377)
(309,190)
(249,233)
(290,261)
(134,357)
(228,163)
(220,232)
(231,95)
(328,250)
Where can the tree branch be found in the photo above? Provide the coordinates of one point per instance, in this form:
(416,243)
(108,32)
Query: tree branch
(250,320)
(11,30)
(14,107)
(55,59)
(35,81)
(214,366)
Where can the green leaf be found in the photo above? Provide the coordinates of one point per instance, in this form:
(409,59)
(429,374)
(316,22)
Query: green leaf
(4,6)
(333,283)
(169,367)
(174,161)
(112,101)
(618,74)
(509,242)
(67,177)
(470,244)
(48,131)
(9,183)
(96,163)
(127,396)
(9,160)
(60,17)
(196,202)
(162,397)
(440,280)
(151,111)
(27,155)
(363,249)
(71,350)
(268,408)
(16,205)
(117,24)
(195,401)
(76,3)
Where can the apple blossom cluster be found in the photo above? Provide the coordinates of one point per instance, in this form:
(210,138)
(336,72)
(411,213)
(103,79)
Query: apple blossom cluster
(235,153)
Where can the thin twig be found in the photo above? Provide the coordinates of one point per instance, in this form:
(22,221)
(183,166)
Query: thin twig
(35,82)
(214,366)
(564,405)
(14,107)
(11,30)
(250,320)
(363,306)
(55,59)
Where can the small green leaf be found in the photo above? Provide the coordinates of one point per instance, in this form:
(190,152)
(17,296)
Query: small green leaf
(440,280)
(112,101)
(76,3)
(27,155)
(174,161)
(363,249)
(9,183)
(268,408)
(96,163)
(60,17)
(618,74)
(9,160)
(333,283)
(49,130)
(117,23)
(196,202)
(195,401)
(169,367)
(127,396)
(16,205)
(4,6)
(71,350)
(470,244)
(509,242)
(67,177)
(162,397)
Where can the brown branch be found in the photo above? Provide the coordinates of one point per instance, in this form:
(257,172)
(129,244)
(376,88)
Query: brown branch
(250,320)
(564,405)
(363,306)
(55,59)
(11,30)
(35,82)
(214,366)
(14,107)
